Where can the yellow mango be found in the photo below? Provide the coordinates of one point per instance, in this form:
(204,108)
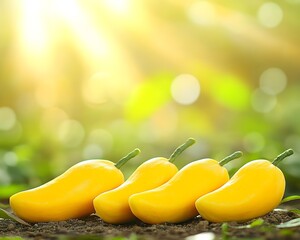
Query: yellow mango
(112,206)
(253,191)
(71,194)
(174,201)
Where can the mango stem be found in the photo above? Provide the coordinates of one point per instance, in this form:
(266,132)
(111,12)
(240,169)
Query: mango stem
(181,148)
(282,156)
(229,158)
(125,159)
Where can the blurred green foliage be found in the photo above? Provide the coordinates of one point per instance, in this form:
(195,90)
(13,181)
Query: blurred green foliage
(89,79)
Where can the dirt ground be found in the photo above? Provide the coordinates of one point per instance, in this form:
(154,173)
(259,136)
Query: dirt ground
(93,227)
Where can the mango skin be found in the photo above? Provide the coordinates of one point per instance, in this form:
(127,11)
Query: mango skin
(69,195)
(112,206)
(174,201)
(253,191)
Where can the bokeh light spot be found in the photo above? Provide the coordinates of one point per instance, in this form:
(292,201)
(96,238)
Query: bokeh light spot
(92,151)
(71,133)
(202,13)
(262,102)
(102,138)
(51,118)
(10,158)
(185,89)
(253,142)
(273,81)
(270,14)
(4,177)
(7,118)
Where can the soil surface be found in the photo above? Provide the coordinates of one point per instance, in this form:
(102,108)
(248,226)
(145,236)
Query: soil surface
(93,227)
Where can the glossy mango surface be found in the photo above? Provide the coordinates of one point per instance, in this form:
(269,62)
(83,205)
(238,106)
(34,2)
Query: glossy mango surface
(253,191)
(69,195)
(113,206)
(174,201)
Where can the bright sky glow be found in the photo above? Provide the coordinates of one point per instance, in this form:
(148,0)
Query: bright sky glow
(202,13)
(70,133)
(118,6)
(92,151)
(7,118)
(262,102)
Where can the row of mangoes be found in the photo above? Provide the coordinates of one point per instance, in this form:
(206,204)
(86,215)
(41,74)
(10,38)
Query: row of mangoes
(157,191)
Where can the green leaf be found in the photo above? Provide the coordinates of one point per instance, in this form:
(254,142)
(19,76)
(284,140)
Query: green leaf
(225,231)
(256,223)
(4,205)
(290,198)
(81,237)
(11,238)
(292,223)
(297,211)
(7,214)
(131,237)
(286,232)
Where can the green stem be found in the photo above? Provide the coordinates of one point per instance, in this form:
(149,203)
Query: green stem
(229,158)
(125,159)
(181,148)
(282,156)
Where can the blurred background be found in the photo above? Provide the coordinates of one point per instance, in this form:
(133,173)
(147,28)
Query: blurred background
(95,79)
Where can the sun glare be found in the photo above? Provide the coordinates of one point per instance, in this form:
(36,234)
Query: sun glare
(112,36)
(118,6)
(43,27)
(32,42)
(32,27)
(82,28)
(43,24)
